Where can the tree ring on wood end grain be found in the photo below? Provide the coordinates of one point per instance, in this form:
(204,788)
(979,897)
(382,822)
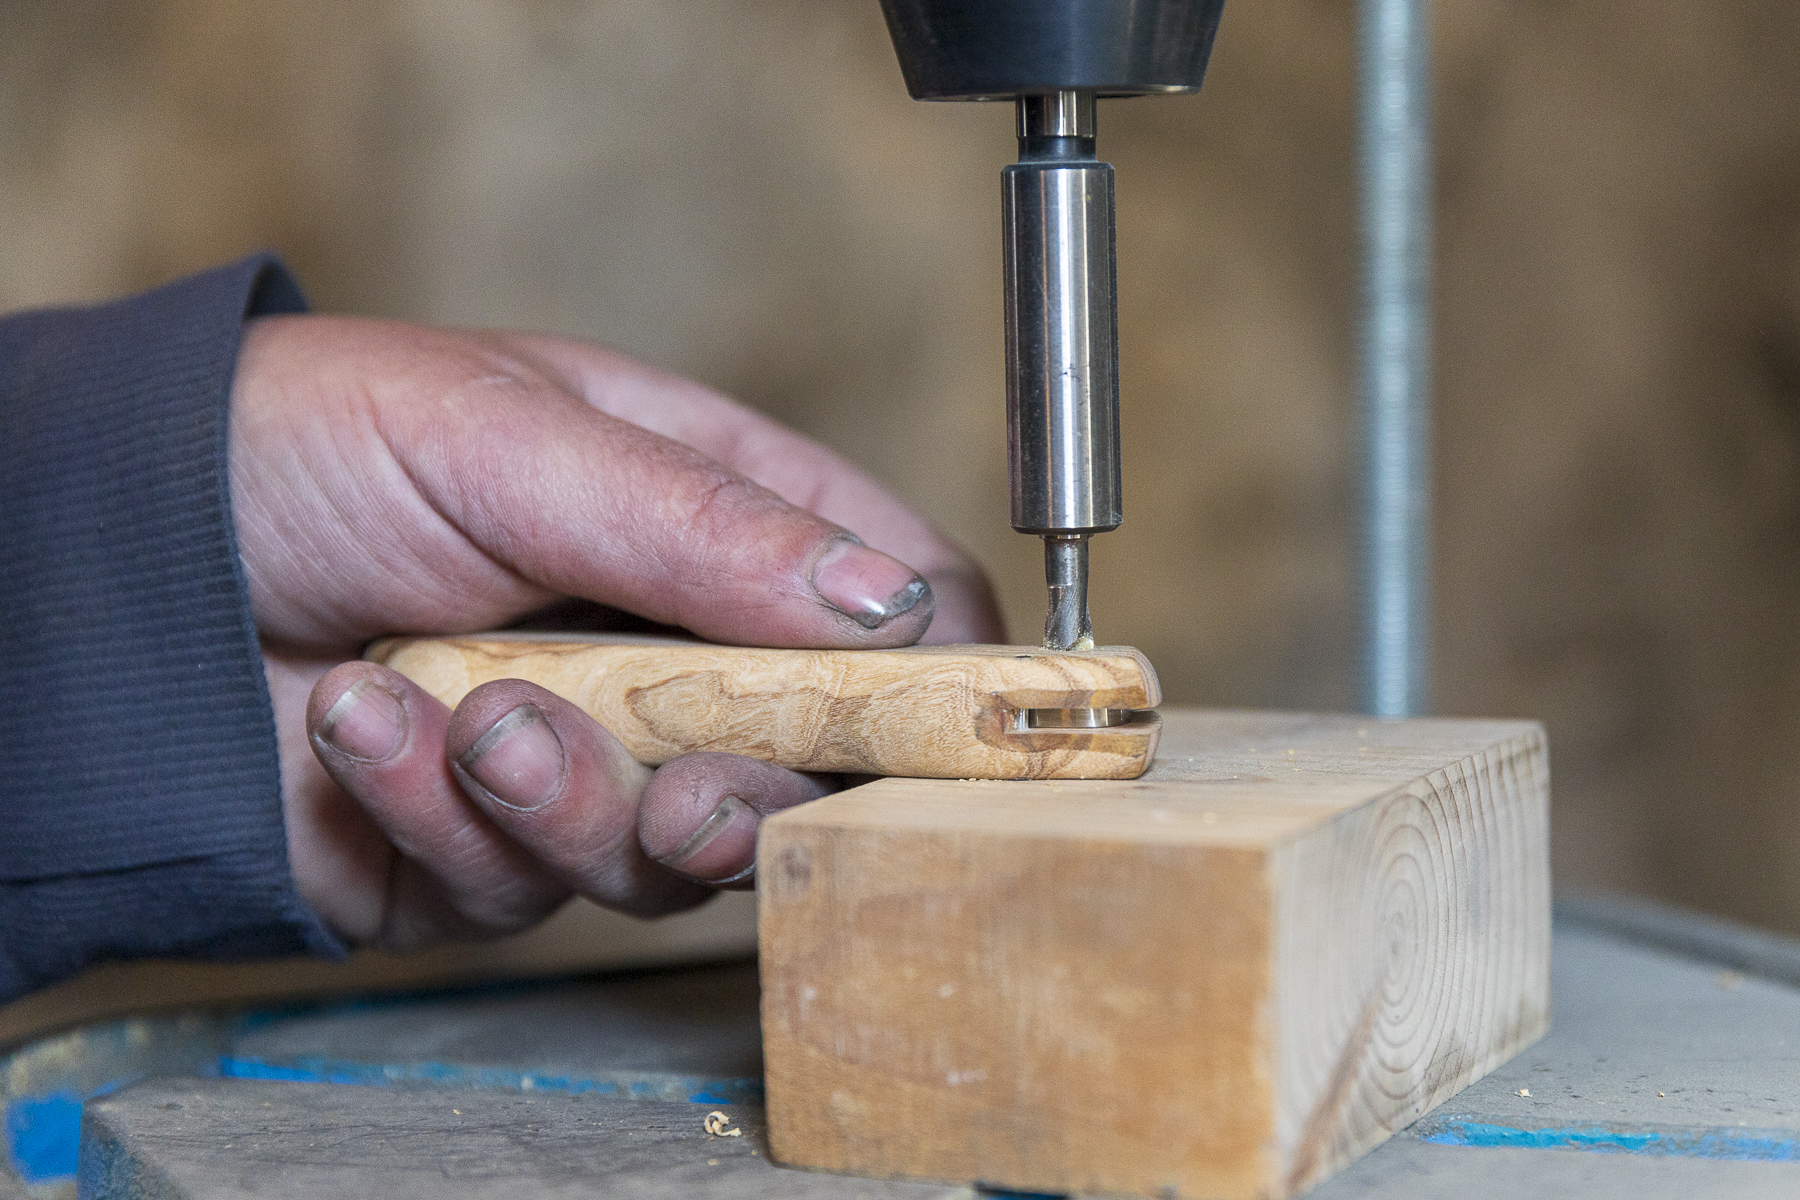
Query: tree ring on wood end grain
(1414,899)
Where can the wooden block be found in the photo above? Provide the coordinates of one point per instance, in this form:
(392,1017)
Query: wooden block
(1229,978)
(937,712)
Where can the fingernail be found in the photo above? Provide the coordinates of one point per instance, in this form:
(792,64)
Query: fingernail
(866,585)
(714,853)
(517,764)
(366,722)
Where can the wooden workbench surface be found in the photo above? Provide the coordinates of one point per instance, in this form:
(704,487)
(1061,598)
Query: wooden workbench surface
(1665,1079)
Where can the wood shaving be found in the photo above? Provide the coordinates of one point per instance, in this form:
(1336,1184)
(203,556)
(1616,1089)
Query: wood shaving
(717,1125)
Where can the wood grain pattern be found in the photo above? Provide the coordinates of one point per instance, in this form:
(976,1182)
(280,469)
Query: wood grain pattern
(1228,978)
(941,712)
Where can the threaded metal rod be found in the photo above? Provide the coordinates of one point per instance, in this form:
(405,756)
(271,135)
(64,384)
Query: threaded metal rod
(1394,393)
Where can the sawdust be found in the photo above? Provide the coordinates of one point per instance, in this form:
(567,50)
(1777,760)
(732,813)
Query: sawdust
(718,1125)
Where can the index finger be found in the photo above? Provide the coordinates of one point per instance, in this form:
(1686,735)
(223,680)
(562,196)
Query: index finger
(797,469)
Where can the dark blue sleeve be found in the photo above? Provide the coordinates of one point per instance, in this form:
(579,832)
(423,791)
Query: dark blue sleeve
(140,794)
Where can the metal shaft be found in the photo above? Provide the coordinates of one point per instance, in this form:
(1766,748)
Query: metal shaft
(1062,379)
(1395,416)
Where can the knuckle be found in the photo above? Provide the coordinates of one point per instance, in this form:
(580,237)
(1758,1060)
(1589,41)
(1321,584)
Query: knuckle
(706,520)
(708,498)
(509,908)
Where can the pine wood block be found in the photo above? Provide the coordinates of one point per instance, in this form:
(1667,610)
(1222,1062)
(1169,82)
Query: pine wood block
(937,712)
(1228,978)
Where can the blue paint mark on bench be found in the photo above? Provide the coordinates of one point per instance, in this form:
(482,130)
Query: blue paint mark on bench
(689,1088)
(254,1068)
(1735,1143)
(43,1136)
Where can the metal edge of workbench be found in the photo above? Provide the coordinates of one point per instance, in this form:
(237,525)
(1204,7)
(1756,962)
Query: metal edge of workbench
(1683,931)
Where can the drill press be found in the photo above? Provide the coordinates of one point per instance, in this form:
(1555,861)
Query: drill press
(1053,59)
(1035,716)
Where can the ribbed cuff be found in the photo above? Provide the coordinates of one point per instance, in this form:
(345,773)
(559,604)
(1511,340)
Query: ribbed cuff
(140,791)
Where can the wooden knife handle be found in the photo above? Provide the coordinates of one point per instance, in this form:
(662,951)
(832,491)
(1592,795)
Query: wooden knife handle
(934,712)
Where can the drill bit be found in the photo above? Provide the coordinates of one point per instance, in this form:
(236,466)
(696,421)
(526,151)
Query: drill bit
(1067,626)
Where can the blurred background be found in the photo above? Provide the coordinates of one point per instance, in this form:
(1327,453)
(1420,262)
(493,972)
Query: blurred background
(740,190)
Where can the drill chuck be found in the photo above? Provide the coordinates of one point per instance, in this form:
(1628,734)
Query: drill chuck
(1062,323)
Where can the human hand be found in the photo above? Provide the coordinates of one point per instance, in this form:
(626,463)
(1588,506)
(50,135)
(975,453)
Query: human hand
(390,478)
